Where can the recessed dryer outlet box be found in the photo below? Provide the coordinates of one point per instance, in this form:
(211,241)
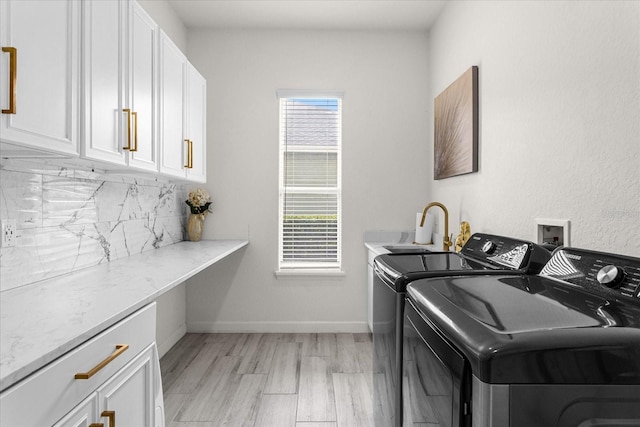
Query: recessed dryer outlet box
(552,231)
(8,238)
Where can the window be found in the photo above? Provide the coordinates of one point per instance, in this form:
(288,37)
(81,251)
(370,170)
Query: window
(310,188)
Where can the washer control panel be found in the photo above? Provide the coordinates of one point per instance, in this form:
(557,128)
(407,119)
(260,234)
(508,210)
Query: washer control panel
(614,275)
(505,252)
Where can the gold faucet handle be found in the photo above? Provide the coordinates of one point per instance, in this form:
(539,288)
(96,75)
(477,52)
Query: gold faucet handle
(464,236)
(446,242)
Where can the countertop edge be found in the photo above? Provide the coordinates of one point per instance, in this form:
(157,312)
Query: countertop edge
(40,310)
(236,245)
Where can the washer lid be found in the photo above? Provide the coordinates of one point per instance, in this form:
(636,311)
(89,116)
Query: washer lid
(437,261)
(400,269)
(509,310)
(531,329)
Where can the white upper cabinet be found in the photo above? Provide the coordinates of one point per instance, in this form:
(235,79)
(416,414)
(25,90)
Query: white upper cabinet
(103,56)
(182,115)
(120,84)
(143,90)
(97,79)
(39,70)
(196,125)
(173,68)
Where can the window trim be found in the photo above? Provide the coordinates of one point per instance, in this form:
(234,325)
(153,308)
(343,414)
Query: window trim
(299,272)
(313,269)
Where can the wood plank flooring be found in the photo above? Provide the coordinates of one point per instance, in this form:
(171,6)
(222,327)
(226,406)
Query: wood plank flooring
(268,380)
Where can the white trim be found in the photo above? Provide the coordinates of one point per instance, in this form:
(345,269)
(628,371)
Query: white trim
(310,93)
(175,336)
(298,271)
(279,327)
(311,267)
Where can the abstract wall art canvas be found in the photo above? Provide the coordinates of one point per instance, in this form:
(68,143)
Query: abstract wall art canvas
(456,127)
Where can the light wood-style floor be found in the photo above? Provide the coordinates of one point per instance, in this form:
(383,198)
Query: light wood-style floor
(268,380)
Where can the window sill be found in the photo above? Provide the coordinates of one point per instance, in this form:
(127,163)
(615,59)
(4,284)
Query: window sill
(309,272)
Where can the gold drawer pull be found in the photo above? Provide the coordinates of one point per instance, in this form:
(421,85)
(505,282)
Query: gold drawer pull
(96,425)
(120,348)
(189,164)
(135,132)
(128,111)
(112,417)
(13,77)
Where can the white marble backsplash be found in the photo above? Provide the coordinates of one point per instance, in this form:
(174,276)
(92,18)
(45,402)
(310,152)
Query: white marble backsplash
(72,219)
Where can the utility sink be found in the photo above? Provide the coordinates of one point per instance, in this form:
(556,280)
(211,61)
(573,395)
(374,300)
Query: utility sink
(406,248)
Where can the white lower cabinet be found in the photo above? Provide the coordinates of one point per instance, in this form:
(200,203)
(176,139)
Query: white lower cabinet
(371,255)
(128,398)
(113,376)
(82,415)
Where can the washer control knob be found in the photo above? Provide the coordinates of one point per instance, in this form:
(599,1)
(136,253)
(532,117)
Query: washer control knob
(610,276)
(489,247)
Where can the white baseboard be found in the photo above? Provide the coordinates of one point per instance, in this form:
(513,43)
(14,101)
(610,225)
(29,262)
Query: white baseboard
(175,336)
(279,327)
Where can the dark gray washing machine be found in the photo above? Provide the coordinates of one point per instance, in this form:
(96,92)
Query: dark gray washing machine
(558,349)
(482,254)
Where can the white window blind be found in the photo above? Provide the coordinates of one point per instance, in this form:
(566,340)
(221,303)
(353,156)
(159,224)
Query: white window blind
(310,188)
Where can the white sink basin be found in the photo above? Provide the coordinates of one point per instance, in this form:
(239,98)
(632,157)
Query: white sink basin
(406,248)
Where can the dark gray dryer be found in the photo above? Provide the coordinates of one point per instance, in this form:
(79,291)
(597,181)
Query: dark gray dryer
(482,254)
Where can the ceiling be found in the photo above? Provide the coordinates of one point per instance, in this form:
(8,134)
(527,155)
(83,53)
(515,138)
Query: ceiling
(417,15)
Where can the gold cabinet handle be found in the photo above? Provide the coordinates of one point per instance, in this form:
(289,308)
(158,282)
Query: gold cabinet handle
(112,417)
(120,348)
(13,77)
(96,425)
(135,132)
(189,164)
(128,111)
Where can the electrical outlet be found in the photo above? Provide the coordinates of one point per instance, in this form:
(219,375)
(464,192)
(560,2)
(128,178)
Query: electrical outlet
(8,233)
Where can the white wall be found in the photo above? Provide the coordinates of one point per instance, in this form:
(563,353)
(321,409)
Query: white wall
(166,18)
(385,143)
(559,117)
(559,138)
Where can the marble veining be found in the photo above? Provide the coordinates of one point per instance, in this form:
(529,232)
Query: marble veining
(43,321)
(21,198)
(70,219)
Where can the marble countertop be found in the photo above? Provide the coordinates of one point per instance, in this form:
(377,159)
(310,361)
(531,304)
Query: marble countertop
(42,321)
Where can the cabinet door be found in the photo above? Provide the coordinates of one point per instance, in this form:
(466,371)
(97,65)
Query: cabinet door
(172,106)
(370,274)
(82,415)
(45,35)
(104,35)
(130,393)
(197,124)
(142,88)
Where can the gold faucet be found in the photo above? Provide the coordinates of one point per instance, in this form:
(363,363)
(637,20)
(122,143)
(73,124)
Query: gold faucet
(446,242)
